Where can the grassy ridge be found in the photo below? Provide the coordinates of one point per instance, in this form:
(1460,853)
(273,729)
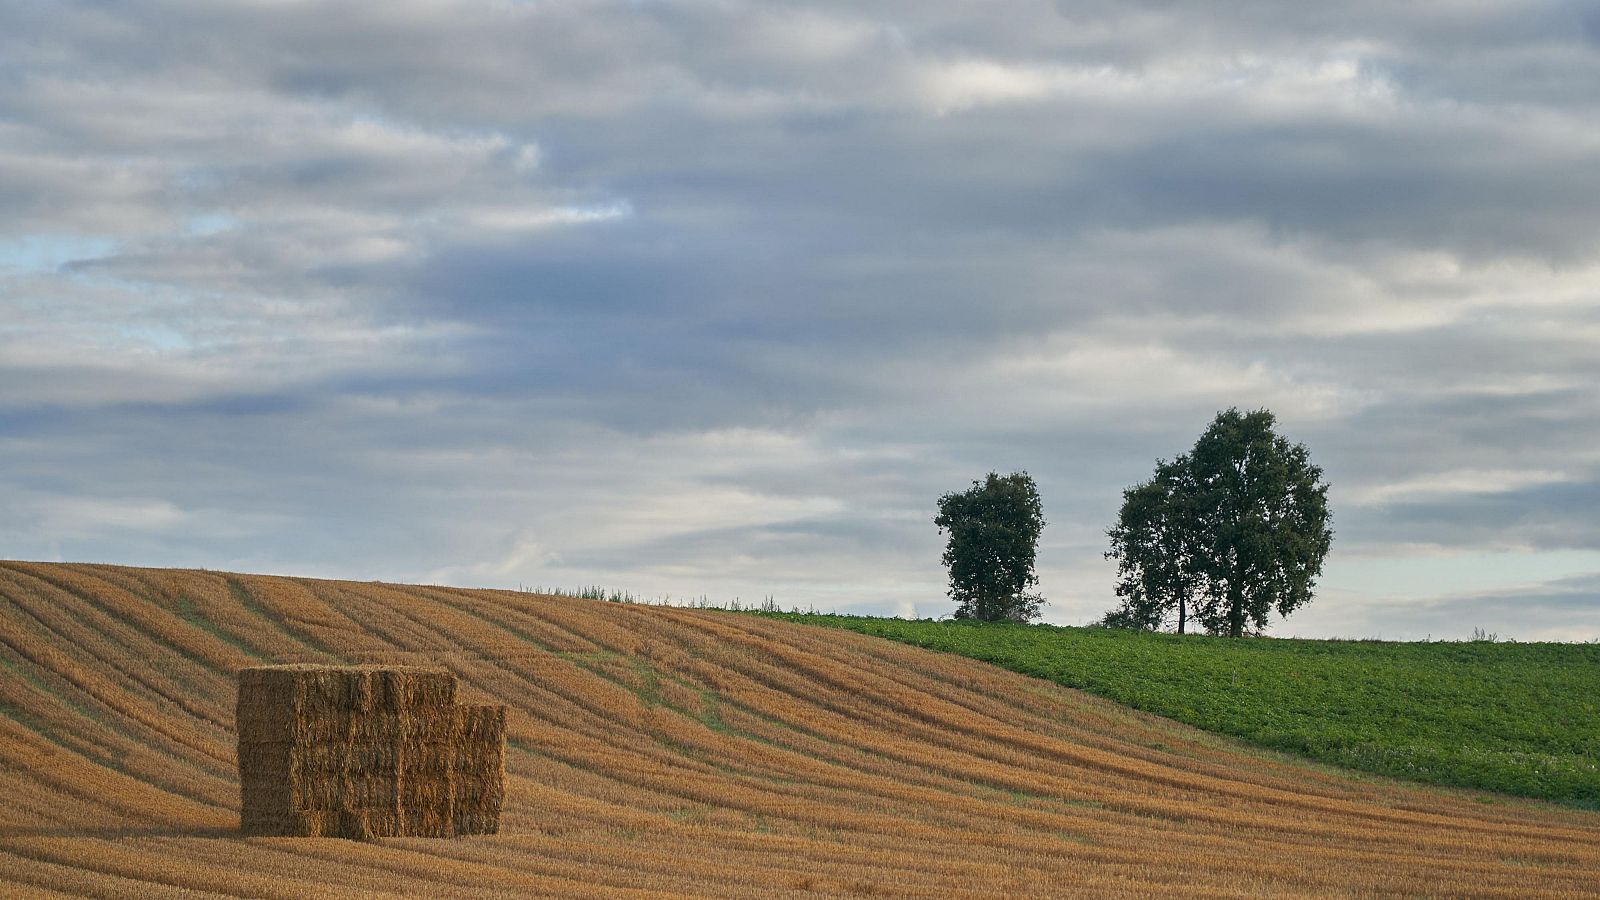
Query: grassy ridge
(1517,718)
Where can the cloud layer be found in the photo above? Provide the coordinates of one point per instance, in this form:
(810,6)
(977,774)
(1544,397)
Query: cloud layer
(717,298)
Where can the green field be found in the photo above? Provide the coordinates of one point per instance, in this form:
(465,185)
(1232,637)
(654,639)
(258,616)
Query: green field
(1517,718)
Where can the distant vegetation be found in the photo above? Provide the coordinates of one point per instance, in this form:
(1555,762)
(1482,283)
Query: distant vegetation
(1519,718)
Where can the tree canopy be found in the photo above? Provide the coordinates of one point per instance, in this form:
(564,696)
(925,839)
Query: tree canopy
(993,532)
(1226,534)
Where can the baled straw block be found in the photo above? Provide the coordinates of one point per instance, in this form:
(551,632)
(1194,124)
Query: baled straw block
(480,768)
(363,752)
(309,702)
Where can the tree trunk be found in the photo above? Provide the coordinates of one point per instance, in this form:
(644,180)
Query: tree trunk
(1235,610)
(1182,611)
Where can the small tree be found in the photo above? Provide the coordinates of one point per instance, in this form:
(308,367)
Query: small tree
(994,535)
(1231,531)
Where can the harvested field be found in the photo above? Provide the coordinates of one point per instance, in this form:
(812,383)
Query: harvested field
(660,752)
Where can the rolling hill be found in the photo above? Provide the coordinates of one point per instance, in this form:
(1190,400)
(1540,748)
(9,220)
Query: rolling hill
(664,752)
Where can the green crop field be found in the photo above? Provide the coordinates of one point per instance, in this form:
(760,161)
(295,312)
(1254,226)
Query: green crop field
(1517,718)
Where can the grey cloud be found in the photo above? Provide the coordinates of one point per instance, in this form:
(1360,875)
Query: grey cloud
(1548,517)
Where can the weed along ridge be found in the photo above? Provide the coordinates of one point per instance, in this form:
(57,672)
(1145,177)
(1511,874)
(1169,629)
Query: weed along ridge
(650,752)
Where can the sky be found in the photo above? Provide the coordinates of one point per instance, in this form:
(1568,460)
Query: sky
(716,298)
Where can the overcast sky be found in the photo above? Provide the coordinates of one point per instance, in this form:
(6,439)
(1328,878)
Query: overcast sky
(716,298)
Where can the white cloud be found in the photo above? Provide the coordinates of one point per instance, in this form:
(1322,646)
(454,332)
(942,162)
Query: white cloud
(1323,86)
(521,218)
(77,517)
(1458,481)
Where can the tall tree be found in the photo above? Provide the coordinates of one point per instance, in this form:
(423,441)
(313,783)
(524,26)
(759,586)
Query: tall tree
(1229,532)
(993,540)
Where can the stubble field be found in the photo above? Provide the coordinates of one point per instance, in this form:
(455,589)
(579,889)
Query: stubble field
(665,752)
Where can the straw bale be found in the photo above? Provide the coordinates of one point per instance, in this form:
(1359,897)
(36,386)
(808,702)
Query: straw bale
(311,702)
(332,757)
(481,731)
(426,725)
(476,823)
(411,688)
(363,752)
(366,791)
(480,768)
(428,820)
(354,824)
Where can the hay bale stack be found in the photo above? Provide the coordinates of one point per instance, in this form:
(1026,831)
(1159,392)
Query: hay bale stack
(480,768)
(365,751)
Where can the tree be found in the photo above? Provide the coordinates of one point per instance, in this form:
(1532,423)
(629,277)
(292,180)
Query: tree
(1229,532)
(994,535)
(1152,549)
